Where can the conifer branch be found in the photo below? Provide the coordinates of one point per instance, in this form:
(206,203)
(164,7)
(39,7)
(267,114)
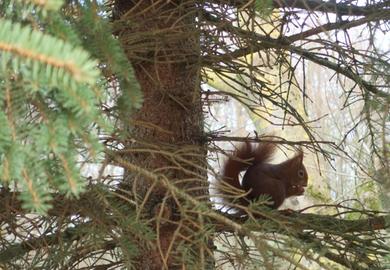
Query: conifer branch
(294,223)
(51,53)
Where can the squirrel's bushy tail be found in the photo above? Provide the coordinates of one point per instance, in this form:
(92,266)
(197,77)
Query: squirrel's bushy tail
(264,152)
(244,157)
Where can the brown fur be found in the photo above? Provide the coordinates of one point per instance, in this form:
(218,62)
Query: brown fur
(279,181)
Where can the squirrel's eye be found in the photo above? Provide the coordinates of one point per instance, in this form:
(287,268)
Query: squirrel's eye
(301,173)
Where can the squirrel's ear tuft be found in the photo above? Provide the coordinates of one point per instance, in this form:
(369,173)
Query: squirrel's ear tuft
(299,154)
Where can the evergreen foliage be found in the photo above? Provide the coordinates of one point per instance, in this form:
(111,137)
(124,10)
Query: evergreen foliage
(51,88)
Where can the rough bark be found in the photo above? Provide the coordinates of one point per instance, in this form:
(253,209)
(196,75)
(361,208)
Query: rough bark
(162,43)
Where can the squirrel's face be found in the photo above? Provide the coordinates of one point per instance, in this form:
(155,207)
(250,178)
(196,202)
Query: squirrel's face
(298,182)
(297,175)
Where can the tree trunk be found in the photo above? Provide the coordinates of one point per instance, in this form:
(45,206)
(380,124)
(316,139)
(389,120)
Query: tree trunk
(166,134)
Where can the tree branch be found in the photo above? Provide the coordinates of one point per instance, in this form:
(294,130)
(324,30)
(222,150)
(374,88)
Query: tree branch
(10,205)
(317,6)
(341,25)
(331,7)
(319,223)
(17,250)
(260,42)
(282,222)
(69,235)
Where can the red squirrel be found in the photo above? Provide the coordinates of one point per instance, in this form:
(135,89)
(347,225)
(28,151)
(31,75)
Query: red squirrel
(279,181)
